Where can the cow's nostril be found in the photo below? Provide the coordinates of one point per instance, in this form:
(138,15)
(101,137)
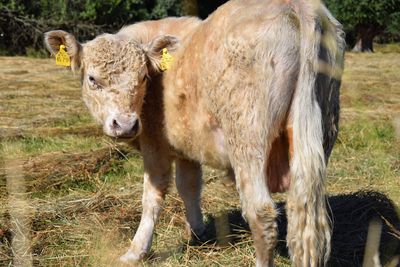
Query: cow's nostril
(115,124)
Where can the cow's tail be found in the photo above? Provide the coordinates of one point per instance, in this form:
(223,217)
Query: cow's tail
(309,227)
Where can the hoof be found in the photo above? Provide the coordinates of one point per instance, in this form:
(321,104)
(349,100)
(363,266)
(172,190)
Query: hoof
(203,238)
(132,258)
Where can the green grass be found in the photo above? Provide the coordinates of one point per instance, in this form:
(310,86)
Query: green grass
(67,143)
(85,196)
(366,157)
(387,48)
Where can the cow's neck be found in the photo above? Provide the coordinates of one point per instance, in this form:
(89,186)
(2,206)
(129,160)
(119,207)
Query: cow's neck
(152,111)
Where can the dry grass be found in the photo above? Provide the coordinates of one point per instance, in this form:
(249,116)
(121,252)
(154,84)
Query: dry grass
(83,190)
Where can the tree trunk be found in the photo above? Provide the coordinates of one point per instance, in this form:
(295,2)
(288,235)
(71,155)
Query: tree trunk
(364,44)
(365,37)
(190,8)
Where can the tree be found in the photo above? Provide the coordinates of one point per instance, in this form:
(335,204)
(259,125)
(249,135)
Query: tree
(363,20)
(190,7)
(22,23)
(206,7)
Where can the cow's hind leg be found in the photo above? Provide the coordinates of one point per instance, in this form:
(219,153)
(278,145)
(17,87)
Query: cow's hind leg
(188,183)
(156,181)
(259,210)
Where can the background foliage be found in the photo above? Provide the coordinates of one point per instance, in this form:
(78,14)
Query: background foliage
(23,22)
(366,19)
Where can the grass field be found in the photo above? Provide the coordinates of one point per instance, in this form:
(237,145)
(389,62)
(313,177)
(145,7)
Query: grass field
(72,196)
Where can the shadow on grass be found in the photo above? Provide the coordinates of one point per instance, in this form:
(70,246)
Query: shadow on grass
(351,216)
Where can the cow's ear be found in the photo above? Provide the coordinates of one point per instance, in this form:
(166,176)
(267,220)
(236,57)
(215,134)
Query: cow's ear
(154,49)
(53,40)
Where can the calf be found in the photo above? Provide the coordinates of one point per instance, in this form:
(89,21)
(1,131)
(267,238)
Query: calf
(254,89)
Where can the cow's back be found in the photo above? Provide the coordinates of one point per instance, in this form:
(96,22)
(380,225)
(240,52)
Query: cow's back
(144,32)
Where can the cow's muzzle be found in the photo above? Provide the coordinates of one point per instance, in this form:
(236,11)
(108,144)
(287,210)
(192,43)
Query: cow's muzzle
(123,126)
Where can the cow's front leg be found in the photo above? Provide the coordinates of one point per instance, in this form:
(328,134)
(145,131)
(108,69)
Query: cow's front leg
(155,186)
(188,183)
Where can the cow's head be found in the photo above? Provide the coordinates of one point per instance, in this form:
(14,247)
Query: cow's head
(114,73)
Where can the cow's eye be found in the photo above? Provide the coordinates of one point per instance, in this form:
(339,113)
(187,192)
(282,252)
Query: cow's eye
(93,83)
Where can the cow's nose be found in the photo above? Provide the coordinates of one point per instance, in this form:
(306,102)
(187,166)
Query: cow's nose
(125,126)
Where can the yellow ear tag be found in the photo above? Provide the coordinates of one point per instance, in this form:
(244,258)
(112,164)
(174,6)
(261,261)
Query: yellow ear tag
(166,60)
(62,58)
